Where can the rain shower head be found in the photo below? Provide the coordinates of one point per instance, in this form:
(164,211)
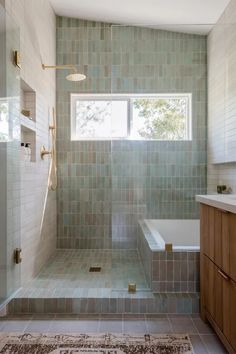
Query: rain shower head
(75,76)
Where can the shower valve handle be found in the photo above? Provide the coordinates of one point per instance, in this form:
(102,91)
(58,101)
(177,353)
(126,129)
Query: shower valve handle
(44,152)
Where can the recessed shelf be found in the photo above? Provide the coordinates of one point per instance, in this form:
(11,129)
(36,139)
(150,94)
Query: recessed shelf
(29,136)
(28,101)
(27,123)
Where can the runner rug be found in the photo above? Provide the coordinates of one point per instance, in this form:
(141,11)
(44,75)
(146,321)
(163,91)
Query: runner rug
(36,343)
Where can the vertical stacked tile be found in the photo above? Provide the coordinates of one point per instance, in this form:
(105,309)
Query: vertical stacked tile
(156,178)
(37,30)
(84,168)
(152,179)
(177,271)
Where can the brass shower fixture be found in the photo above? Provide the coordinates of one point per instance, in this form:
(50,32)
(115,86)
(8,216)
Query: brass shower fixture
(17,255)
(75,76)
(16,58)
(44,152)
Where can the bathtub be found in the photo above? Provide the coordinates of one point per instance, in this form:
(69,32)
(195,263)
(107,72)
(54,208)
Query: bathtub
(170,254)
(175,234)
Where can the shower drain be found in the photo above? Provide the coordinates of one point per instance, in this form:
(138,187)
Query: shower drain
(95,269)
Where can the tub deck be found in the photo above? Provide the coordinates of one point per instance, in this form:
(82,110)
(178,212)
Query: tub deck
(176,271)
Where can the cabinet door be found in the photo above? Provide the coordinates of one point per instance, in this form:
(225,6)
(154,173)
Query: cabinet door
(209,286)
(230,250)
(229,310)
(232,309)
(225,244)
(213,295)
(211,233)
(218,238)
(207,238)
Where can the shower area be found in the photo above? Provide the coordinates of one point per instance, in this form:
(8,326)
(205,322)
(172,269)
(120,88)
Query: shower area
(109,183)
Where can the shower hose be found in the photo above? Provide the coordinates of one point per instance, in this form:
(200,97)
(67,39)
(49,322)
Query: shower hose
(52,179)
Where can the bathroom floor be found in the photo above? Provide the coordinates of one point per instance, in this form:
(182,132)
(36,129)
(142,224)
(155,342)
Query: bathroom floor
(67,273)
(203,339)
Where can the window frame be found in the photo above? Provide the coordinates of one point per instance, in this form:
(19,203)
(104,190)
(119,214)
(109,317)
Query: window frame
(126,97)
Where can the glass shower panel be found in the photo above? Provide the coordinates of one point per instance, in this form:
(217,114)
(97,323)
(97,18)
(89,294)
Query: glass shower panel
(129,169)
(160,167)
(9,157)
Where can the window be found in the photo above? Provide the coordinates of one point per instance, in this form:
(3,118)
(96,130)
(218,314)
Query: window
(137,117)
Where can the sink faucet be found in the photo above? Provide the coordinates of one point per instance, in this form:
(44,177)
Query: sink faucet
(228,190)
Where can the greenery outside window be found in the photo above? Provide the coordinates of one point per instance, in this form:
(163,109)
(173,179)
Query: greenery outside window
(131,116)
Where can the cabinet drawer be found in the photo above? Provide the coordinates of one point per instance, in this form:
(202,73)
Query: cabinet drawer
(213,295)
(218,238)
(220,299)
(230,252)
(229,308)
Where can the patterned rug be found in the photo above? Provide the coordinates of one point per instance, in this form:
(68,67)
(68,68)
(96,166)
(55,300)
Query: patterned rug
(35,343)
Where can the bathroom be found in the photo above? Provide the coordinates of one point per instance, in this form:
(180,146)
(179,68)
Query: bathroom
(116,132)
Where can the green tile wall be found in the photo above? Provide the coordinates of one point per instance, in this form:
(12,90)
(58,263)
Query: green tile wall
(106,186)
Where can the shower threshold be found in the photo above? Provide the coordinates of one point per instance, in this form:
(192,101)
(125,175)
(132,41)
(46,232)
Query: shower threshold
(66,286)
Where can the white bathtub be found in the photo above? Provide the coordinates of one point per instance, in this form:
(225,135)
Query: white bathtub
(178,234)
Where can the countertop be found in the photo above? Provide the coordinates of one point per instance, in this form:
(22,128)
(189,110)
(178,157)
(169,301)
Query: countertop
(221,201)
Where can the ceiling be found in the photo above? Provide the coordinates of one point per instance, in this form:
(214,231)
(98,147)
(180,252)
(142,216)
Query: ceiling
(194,16)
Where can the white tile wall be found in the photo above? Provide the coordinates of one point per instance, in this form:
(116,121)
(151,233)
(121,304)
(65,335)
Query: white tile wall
(222,101)
(37,24)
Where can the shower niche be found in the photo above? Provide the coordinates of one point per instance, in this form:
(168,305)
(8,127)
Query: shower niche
(28,123)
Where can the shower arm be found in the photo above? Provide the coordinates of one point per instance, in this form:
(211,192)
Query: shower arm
(61,67)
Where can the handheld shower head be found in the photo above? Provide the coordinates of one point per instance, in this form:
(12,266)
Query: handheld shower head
(71,77)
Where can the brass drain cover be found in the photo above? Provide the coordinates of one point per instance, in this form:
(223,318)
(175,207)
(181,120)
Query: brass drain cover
(95,269)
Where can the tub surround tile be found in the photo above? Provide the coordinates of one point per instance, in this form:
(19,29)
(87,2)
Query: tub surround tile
(167,271)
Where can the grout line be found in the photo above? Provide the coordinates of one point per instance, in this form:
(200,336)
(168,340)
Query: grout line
(205,346)
(194,325)
(170,323)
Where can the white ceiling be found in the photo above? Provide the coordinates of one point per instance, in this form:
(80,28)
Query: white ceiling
(196,16)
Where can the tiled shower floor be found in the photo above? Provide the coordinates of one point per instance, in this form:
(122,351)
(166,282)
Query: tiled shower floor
(65,286)
(67,274)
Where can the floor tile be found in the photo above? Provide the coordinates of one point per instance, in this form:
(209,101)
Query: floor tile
(213,344)
(81,326)
(135,326)
(115,326)
(14,326)
(203,344)
(198,346)
(159,325)
(182,324)
(202,327)
(38,326)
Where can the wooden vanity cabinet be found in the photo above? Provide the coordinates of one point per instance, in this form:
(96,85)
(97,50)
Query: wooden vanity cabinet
(218,238)
(218,272)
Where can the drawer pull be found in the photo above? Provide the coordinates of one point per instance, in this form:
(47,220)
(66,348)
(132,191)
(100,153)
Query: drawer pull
(223,274)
